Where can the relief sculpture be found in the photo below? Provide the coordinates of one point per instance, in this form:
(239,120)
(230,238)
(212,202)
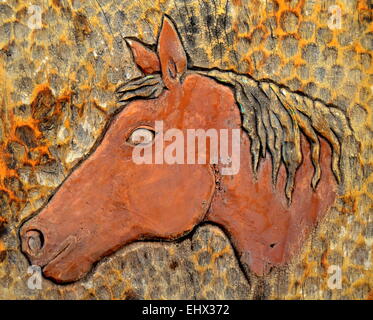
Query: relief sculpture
(266,213)
(177,144)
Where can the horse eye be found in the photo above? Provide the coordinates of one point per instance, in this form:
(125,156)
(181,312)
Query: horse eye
(141,136)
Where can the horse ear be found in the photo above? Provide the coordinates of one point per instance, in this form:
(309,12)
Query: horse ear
(146,59)
(171,54)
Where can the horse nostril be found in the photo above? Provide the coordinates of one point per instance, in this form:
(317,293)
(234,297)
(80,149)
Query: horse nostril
(34,240)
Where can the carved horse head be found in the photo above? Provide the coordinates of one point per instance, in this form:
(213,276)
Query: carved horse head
(109,201)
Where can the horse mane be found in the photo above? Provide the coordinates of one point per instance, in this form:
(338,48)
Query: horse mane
(274,118)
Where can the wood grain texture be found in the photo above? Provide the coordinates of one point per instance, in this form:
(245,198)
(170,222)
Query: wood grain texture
(57,89)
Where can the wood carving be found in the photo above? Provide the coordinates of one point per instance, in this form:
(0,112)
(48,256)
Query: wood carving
(108,201)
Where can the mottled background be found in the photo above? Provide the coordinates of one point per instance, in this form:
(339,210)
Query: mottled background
(56,94)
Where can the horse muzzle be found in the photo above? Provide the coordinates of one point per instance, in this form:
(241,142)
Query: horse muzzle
(39,251)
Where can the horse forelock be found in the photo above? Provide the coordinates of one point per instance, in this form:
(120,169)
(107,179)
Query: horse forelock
(146,87)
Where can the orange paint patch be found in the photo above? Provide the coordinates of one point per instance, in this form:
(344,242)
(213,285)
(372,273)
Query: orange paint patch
(2,252)
(2,222)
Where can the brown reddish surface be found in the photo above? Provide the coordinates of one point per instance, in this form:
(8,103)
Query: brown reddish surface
(263,228)
(110,201)
(146,59)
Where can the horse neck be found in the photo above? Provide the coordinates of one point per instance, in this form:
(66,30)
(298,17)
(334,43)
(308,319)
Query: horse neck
(264,229)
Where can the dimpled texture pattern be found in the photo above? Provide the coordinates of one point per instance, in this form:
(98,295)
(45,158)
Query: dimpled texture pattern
(57,93)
